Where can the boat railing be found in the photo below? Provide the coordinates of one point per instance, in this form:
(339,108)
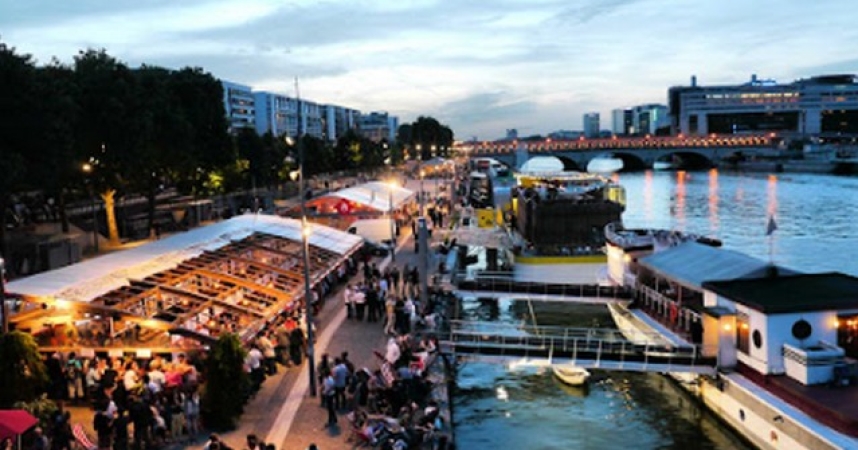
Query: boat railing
(503,284)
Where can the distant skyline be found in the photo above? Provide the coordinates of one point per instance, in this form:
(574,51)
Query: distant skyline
(479,67)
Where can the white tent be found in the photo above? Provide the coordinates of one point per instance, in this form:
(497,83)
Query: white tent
(376,195)
(91,278)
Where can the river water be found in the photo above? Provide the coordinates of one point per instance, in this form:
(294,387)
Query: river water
(527,408)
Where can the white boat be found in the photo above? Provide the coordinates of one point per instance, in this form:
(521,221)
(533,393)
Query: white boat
(571,375)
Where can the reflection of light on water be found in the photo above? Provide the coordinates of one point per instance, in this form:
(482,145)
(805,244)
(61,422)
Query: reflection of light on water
(713,201)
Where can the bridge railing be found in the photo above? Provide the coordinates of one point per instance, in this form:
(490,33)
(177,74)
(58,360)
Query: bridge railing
(506,285)
(573,344)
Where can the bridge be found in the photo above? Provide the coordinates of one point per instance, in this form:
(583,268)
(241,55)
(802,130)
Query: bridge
(591,348)
(637,153)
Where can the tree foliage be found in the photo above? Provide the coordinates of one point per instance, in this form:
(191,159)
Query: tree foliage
(24,376)
(427,137)
(226,385)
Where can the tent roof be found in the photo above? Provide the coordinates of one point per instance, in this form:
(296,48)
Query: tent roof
(692,264)
(14,422)
(376,195)
(96,276)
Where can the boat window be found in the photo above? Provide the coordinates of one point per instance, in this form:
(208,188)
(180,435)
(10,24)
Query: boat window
(758,339)
(801,330)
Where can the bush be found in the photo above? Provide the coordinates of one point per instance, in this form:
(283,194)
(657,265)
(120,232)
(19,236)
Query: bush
(41,408)
(224,393)
(23,376)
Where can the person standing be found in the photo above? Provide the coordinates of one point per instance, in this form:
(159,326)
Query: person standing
(267,348)
(341,378)
(348,300)
(359,298)
(328,393)
(296,345)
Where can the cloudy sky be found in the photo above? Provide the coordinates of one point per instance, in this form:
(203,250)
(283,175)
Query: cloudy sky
(480,66)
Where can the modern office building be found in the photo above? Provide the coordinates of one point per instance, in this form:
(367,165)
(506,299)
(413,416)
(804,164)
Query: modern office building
(621,122)
(379,126)
(824,105)
(591,125)
(648,119)
(238,103)
(337,120)
(275,113)
(310,118)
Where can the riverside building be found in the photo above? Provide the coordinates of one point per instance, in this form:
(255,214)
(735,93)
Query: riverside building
(822,106)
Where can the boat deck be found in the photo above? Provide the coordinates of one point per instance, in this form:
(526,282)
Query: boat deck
(836,407)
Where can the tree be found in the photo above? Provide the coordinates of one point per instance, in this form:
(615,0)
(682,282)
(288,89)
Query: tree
(427,135)
(226,385)
(210,151)
(107,128)
(24,376)
(17,127)
(54,163)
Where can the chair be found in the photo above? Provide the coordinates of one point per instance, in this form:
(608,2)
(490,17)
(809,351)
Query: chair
(357,436)
(81,438)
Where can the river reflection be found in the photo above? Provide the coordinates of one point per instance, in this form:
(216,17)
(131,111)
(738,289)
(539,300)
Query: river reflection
(814,213)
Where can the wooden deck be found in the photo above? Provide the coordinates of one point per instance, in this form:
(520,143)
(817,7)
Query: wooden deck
(836,407)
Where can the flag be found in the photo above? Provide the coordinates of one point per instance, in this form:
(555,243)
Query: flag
(772,226)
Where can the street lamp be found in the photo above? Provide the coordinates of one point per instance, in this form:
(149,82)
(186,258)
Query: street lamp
(305,240)
(87,169)
(391,186)
(423,247)
(5,310)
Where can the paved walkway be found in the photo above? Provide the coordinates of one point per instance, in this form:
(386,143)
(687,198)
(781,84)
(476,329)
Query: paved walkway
(283,413)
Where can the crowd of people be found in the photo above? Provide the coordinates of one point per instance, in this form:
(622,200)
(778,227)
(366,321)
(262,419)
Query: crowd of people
(391,406)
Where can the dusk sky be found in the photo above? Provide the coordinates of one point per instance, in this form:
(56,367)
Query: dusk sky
(479,66)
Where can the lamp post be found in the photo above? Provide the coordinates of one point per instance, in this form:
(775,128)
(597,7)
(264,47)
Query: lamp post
(87,169)
(423,247)
(390,186)
(305,240)
(3,296)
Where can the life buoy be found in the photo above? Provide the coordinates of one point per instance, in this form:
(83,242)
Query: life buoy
(674,312)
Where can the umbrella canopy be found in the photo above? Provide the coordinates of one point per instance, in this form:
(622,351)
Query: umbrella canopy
(13,422)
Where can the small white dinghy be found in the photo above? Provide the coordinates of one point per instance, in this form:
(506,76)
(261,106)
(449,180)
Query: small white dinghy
(571,375)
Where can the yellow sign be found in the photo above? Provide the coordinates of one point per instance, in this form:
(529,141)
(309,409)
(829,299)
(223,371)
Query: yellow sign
(486,218)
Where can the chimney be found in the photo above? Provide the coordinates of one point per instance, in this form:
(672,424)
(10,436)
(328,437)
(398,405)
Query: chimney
(693,80)
(753,78)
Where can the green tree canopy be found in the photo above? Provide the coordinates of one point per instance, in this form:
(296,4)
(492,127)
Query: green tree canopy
(426,137)
(226,385)
(24,376)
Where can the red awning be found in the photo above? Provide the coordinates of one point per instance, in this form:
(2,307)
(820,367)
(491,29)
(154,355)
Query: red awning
(14,422)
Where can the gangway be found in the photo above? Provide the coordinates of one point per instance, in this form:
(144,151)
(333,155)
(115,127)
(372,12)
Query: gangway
(592,348)
(497,286)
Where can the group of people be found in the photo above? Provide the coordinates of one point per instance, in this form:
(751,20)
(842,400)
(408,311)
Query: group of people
(390,407)
(139,403)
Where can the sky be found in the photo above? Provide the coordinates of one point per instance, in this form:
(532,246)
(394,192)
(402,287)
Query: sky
(478,66)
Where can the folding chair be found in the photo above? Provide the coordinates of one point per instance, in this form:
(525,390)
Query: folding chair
(83,441)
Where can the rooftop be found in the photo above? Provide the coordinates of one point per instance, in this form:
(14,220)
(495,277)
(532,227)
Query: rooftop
(791,293)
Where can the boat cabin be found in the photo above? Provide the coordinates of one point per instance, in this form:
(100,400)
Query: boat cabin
(785,324)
